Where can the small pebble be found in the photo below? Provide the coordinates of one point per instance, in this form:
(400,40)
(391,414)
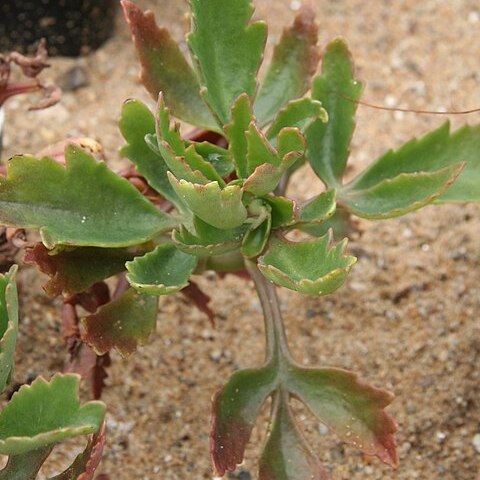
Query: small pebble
(74,79)
(476,442)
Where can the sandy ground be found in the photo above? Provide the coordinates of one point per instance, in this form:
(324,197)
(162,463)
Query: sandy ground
(407,319)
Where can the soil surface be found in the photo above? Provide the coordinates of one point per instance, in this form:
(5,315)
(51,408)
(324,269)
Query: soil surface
(406,320)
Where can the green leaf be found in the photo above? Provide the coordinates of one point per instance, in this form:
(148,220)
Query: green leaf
(290,141)
(294,61)
(184,162)
(266,177)
(282,210)
(298,114)
(228,49)
(75,270)
(207,240)
(286,455)
(235,409)
(83,203)
(44,413)
(318,209)
(400,195)
(161,272)
(310,267)
(242,117)
(8,325)
(221,208)
(25,466)
(165,69)
(136,122)
(354,410)
(257,236)
(431,153)
(259,150)
(123,324)
(329,143)
(464,146)
(218,157)
(340,223)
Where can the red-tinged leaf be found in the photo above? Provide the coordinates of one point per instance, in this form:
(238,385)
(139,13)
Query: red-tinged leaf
(86,363)
(84,466)
(286,455)
(200,299)
(165,69)
(122,324)
(100,374)
(354,410)
(74,270)
(97,295)
(235,409)
(295,60)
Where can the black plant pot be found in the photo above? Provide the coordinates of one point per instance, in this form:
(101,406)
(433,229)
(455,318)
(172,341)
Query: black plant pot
(71,27)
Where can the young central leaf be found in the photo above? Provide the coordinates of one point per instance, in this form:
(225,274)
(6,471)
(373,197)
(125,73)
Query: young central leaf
(83,203)
(221,208)
(228,49)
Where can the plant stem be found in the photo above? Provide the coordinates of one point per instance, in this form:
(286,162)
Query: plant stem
(26,465)
(276,340)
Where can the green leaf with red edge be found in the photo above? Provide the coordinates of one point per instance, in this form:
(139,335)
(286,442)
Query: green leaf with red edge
(75,270)
(45,413)
(84,466)
(329,143)
(242,117)
(235,409)
(83,204)
(163,271)
(228,49)
(397,196)
(286,455)
(165,69)
(298,114)
(352,409)
(424,158)
(221,208)
(123,324)
(294,61)
(310,267)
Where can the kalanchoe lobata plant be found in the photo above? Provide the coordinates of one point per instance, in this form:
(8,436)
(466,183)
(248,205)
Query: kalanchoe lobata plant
(42,414)
(216,201)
